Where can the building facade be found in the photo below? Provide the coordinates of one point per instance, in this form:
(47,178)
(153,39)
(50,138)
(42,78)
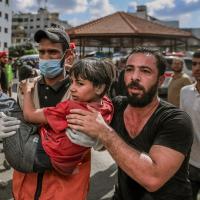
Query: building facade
(142,12)
(26,24)
(5,24)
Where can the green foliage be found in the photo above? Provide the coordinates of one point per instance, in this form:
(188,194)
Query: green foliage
(21,50)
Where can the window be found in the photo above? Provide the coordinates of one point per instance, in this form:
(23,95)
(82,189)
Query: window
(14,27)
(37,26)
(19,20)
(18,40)
(14,19)
(38,19)
(7,2)
(0,14)
(0,28)
(5,45)
(6,16)
(6,30)
(31,20)
(25,19)
(31,27)
(25,27)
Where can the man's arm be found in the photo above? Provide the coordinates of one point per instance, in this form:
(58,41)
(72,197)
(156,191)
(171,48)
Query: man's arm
(151,170)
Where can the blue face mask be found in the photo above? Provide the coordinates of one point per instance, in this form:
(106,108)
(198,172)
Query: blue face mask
(50,68)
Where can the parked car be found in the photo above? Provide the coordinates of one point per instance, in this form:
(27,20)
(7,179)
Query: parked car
(32,60)
(187,68)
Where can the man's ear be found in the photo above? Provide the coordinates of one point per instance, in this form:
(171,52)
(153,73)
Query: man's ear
(68,53)
(100,89)
(161,80)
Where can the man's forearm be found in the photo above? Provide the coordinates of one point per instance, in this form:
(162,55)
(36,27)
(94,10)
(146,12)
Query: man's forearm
(139,166)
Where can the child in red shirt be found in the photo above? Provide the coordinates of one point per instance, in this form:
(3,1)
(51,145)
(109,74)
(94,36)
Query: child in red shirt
(90,80)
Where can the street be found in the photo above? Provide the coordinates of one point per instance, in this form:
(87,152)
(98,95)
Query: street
(103,177)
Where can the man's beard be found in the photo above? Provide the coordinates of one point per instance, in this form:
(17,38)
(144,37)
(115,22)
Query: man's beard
(178,70)
(145,99)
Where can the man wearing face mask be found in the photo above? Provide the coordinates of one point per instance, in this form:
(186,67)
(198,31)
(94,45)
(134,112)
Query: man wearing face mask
(50,89)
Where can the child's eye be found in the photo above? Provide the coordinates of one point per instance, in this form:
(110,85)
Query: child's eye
(80,83)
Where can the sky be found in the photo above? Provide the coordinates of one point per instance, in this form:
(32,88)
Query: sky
(77,12)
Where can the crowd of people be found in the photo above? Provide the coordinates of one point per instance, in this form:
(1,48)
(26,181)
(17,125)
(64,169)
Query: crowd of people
(75,105)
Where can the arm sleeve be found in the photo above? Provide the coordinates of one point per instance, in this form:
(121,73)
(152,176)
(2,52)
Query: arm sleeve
(56,116)
(176,133)
(187,81)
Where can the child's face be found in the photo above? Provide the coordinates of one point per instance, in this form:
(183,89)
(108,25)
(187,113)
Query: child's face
(83,90)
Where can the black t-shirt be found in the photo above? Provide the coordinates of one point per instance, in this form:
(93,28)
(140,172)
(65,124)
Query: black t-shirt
(48,96)
(168,126)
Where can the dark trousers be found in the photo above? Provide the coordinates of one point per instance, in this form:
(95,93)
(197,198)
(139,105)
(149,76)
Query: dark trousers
(194,175)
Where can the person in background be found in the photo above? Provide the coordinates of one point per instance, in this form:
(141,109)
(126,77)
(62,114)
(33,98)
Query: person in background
(3,80)
(179,80)
(190,103)
(71,58)
(9,75)
(5,87)
(120,87)
(26,71)
(150,139)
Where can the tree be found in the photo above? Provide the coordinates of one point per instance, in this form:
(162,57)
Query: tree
(21,50)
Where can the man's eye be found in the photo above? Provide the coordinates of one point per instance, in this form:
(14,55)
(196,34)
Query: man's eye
(53,51)
(146,71)
(128,69)
(41,52)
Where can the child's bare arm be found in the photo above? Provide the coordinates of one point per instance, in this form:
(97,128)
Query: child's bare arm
(31,114)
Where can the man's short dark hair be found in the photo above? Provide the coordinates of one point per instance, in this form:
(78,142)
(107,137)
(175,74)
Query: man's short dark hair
(54,34)
(196,54)
(161,62)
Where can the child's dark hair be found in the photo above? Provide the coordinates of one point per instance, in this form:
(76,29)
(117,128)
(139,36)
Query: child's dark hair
(97,71)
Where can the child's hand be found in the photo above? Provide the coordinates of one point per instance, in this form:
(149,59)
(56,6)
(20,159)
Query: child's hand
(27,85)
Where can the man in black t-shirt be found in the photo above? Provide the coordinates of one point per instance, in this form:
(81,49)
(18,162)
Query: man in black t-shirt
(150,140)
